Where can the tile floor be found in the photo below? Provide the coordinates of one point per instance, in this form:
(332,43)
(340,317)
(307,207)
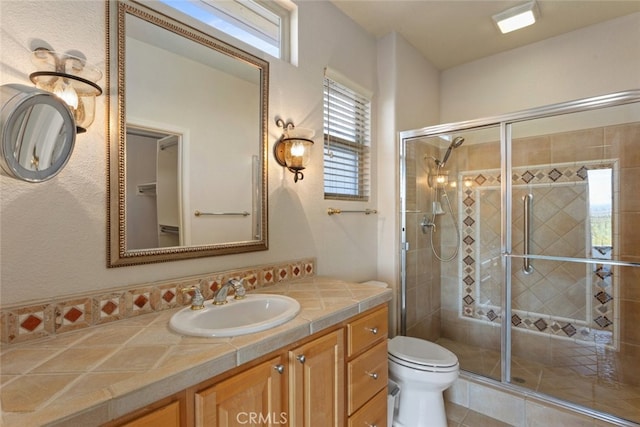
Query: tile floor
(459,416)
(570,378)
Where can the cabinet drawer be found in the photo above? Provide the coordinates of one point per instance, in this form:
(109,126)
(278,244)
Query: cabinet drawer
(365,331)
(167,416)
(374,413)
(367,375)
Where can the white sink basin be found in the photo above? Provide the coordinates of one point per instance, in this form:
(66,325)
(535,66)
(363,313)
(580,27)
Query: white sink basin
(254,313)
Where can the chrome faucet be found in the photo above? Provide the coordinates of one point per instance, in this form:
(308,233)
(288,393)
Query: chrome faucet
(220,296)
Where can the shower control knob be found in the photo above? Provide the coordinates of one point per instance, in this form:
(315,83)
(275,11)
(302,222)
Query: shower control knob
(374,331)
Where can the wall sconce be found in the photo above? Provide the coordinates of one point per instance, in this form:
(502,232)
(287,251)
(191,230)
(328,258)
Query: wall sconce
(293,149)
(72,80)
(439,180)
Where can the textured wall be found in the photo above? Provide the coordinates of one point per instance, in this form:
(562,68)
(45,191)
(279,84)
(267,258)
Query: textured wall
(54,233)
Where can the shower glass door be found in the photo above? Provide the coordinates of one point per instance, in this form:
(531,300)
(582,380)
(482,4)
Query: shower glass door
(574,294)
(531,280)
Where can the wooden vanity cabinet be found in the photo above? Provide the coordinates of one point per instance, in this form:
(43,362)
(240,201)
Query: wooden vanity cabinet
(332,379)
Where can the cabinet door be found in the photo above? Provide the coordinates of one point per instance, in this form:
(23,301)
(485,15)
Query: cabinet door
(255,397)
(317,382)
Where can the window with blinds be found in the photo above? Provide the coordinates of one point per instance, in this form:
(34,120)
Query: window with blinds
(347,138)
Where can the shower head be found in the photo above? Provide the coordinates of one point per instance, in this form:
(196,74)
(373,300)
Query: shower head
(457,142)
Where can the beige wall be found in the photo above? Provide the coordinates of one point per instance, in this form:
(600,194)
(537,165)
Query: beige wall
(592,61)
(54,233)
(408,97)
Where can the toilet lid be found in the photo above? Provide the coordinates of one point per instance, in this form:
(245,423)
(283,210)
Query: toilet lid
(421,352)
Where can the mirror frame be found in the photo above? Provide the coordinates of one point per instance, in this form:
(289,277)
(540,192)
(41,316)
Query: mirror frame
(117,253)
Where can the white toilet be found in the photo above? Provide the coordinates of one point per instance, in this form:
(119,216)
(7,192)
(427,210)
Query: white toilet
(423,370)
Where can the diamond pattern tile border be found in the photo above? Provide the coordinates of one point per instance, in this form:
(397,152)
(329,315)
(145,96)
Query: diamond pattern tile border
(27,322)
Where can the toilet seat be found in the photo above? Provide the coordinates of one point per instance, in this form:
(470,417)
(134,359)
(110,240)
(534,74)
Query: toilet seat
(422,355)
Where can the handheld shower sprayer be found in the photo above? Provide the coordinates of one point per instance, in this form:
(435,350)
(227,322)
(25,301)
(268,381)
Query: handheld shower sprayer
(457,142)
(438,182)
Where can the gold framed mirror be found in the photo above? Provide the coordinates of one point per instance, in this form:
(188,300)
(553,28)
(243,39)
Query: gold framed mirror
(187,133)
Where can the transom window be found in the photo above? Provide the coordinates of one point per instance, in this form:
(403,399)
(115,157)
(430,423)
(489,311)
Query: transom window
(262,24)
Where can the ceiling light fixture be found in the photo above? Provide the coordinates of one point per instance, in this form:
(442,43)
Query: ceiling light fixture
(517,17)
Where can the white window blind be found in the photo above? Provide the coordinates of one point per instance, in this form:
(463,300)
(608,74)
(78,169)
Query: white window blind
(347,138)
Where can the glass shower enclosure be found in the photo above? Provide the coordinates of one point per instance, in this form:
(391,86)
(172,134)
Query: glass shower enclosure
(521,249)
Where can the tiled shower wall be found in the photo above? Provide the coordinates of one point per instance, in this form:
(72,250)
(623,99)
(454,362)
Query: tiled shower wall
(564,299)
(623,143)
(423,269)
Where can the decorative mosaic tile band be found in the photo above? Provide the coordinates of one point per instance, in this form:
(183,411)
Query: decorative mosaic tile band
(482,234)
(28,322)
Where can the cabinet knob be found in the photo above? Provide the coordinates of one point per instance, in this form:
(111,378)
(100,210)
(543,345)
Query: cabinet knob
(279,368)
(370,425)
(301,358)
(374,330)
(373,375)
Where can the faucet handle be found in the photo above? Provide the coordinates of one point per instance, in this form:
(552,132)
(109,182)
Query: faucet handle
(197,301)
(239,290)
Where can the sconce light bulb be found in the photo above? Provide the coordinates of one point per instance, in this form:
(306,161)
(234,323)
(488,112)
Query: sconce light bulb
(66,92)
(297,149)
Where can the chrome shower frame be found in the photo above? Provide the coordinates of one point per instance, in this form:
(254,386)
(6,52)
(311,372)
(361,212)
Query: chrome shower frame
(505,123)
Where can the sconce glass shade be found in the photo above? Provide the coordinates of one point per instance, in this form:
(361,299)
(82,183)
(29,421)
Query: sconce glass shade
(297,152)
(72,80)
(439,180)
(293,150)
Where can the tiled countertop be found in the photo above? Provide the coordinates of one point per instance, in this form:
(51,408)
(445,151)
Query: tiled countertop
(97,374)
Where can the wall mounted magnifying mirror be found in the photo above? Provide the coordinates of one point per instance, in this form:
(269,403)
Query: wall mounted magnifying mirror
(38,133)
(187,141)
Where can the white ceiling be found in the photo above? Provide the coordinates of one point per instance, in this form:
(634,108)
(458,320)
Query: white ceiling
(452,32)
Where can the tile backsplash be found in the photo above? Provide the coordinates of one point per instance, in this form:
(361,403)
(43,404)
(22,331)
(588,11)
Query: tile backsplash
(25,322)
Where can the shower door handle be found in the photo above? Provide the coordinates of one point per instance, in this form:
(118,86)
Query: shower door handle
(527,199)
